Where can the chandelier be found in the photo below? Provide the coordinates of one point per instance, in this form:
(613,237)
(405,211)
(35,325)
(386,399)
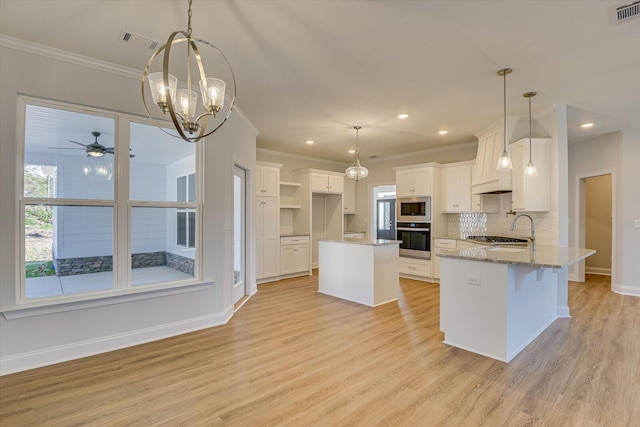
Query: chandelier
(181,103)
(356,171)
(504,162)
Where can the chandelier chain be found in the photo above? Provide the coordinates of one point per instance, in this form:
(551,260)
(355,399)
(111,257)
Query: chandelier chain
(189,20)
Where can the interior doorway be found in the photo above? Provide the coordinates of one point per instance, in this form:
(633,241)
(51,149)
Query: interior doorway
(384,209)
(239,234)
(595,223)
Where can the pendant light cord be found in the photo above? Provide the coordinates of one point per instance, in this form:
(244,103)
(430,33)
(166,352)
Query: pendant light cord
(504,105)
(189,20)
(529,129)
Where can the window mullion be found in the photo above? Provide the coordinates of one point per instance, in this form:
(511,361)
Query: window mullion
(122,219)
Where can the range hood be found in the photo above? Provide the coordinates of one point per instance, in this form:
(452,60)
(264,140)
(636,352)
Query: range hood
(486,178)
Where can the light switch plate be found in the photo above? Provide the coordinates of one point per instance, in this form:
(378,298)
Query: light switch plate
(636,223)
(473,280)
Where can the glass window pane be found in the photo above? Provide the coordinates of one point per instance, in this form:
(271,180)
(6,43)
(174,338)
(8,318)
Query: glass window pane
(192,187)
(181,229)
(181,190)
(155,255)
(192,229)
(159,160)
(68,250)
(56,154)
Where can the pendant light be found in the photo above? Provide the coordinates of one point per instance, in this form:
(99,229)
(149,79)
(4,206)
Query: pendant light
(356,171)
(531,169)
(181,104)
(504,162)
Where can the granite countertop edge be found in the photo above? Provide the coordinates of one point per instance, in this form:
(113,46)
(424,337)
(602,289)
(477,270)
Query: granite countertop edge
(544,256)
(369,242)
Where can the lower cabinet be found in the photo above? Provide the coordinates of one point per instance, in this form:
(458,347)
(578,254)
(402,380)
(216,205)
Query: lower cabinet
(440,246)
(415,267)
(294,255)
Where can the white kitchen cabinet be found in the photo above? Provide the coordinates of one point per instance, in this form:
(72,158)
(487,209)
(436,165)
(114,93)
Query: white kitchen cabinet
(354,235)
(349,196)
(294,255)
(487,203)
(288,193)
(267,180)
(267,230)
(457,189)
(440,246)
(327,183)
(486,178)
(531,193)
(414,267)
(414,182)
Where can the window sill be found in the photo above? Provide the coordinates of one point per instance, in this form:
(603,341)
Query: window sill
(42,308)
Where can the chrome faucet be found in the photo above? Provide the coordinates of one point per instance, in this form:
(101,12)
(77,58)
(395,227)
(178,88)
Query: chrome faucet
(533,229)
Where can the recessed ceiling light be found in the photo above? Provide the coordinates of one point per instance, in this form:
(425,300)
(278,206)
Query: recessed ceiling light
(443,132)
(352,151)
(403,116)
(586,125)
(309,141)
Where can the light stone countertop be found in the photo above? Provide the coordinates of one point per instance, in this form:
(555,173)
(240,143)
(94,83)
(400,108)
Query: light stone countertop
(294,235)
(370,242)
(544,256)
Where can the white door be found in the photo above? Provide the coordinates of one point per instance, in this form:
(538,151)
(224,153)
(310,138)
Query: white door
(239,233)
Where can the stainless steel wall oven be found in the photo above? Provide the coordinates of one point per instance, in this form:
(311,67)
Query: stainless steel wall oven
(415,238)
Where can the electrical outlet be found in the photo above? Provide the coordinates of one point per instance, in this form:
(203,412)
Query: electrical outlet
(473,280)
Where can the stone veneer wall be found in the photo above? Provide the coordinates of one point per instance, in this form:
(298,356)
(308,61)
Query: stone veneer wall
(86,265)
(184,264)
(148,259)
(499,224)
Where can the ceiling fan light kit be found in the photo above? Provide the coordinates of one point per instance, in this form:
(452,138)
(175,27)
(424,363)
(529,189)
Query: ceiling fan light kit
(181,104)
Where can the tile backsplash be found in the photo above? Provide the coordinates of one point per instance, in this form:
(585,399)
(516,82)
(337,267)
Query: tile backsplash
(487,224)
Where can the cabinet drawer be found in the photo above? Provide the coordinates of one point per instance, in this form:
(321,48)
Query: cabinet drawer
(293,240)
(444,243)
(418,267)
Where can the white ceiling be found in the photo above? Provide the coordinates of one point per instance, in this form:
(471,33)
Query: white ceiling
(313,69)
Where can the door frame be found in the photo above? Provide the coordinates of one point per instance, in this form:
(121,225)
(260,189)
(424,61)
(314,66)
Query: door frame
(248,261)
(371,222)
(580,221)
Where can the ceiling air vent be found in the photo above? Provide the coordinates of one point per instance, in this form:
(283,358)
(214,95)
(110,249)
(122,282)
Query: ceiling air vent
(138,40)
(625,12)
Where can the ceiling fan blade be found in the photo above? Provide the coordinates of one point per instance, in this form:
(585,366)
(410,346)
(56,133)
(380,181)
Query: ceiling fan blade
(79,143)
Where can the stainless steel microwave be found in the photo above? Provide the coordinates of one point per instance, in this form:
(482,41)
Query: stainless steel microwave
(414,209)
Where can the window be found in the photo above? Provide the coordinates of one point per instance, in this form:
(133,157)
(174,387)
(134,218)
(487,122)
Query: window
(186,218)
(77,208)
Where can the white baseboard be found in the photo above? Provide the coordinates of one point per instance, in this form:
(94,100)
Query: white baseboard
(58,354)
(562,311)
(572,277)
(626,290)
(598,271)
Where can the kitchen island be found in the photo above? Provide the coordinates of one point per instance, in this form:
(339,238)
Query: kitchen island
(363,271)
(494,301)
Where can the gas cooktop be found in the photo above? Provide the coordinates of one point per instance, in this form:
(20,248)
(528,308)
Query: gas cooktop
(498,240)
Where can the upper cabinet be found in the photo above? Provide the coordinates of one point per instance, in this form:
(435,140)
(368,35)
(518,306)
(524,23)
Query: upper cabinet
(327,182)
(531,193)
(457,189)
(414,181)
(267,179)
(349,196)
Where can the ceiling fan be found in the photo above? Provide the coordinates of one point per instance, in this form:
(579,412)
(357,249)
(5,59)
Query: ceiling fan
(94,149)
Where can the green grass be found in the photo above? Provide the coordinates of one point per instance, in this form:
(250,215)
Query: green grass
(39,269)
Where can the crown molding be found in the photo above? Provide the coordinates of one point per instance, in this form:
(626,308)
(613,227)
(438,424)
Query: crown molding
(93,63)
(299,157)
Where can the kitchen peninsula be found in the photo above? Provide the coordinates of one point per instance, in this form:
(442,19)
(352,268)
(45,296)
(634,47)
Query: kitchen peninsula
(363,271)
(494,301)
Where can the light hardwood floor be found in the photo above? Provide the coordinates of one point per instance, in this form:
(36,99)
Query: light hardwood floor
(293,357)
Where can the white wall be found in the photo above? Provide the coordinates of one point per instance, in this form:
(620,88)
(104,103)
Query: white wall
(44,339)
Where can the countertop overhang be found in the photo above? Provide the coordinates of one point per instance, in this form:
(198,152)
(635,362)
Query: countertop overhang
(370,242)
(543,256)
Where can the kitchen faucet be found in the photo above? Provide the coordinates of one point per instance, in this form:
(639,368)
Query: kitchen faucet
(533,230)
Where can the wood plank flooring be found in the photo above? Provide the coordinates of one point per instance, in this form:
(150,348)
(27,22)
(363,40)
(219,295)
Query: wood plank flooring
(293,357)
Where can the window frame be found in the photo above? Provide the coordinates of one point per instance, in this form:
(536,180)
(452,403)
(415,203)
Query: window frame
(187,211)
(121,205)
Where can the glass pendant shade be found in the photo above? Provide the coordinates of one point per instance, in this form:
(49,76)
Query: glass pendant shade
(357,171)
(212,94)
(531,169)
(504,162)
(158,90)
(184,105)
